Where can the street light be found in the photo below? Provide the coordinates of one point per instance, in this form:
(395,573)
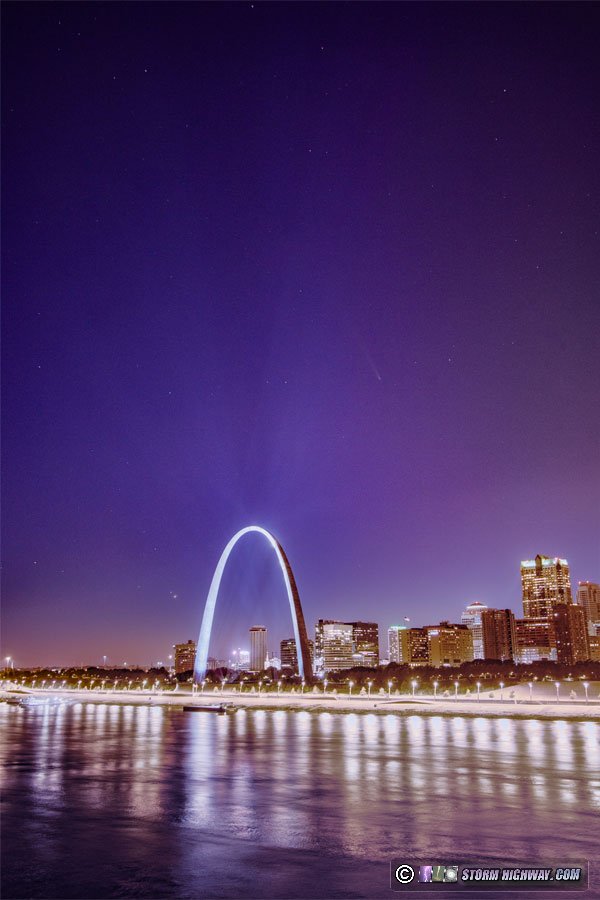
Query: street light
(223,683)
(279,687)
(260,681)
(585,687)
(303,686)
(325,686)
(389,689)
(350,685)
(202,686)
(79,684)
(8,661)
(144,683)
(115,684)
(369,683)
(478,690)
(502,690)
(530,686)
(456,690)
(414,684)
(557,686)
(435,687)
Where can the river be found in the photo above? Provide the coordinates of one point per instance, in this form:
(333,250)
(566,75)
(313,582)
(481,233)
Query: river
(121,801)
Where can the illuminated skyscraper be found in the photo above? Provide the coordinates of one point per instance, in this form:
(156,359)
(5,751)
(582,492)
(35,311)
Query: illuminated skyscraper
(588,597)
(289,654)
(414,644)
(471,617)
(499,633)
(395,642)
(594,645)
(546,582)
(365,639)
(319,642)
(258,648)
(570,634)
(338,646)
(185,655)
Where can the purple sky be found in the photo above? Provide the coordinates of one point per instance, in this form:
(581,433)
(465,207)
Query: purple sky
(334,270)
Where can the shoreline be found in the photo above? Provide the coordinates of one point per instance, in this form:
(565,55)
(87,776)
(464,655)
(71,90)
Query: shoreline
(576,710)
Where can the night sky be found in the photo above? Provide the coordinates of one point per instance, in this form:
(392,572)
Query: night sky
(331,269)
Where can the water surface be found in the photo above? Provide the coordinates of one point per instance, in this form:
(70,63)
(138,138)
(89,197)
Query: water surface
(124,801)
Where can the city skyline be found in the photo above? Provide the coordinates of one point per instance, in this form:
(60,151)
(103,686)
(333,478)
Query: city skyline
(222,652)
(302,282)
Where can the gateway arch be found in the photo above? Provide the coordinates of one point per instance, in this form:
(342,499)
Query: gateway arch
(304,663)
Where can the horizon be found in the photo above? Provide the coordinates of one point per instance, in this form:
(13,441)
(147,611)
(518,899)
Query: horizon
(274,643)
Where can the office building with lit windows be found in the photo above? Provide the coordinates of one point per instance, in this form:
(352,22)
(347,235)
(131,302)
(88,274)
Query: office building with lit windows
(449,644)
(570,633)
(258,648)
(338,646)
(499,632)
(535,640)
(588,597)
(185,655)
(395,643)
(414,646)
(545,582)
(471,617)
(365,640)
(289,653)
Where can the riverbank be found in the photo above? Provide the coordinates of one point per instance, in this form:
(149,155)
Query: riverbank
(333,703)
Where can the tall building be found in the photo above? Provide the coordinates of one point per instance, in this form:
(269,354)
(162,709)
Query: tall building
(414,646)
(535,640)
(471,617)
(365,638)
(395,643)
(499,633)
(338,646)
(546,582)
(319,663)
(594,645)
(588,597)
(258,648)
(185,655)
(570,634)
(289,653)
(449,645)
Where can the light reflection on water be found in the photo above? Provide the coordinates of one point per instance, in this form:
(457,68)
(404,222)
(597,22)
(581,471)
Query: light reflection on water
(109,800)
